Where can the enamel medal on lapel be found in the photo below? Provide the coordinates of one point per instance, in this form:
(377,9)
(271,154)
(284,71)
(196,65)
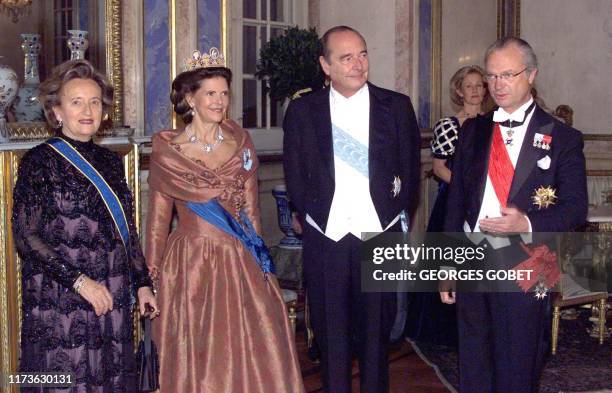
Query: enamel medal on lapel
(397,186)
(542,141)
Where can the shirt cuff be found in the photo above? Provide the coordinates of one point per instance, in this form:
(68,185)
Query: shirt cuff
(527,237)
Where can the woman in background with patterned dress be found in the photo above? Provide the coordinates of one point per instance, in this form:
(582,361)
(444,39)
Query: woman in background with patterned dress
(224,326)
(429,319)
(77,275)
(468,91)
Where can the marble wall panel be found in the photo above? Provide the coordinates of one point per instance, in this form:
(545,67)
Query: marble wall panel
(573,42)
(209,24)
(406,48)
(133,53)
(314,14)
(157,66)
(425,54)
(83,15)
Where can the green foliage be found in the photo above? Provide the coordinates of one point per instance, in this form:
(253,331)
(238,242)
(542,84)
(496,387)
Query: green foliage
(290,62)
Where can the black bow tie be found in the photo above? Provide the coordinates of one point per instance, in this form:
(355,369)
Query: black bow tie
(514,123)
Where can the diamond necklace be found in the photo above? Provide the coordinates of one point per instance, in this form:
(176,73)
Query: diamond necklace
(207,147)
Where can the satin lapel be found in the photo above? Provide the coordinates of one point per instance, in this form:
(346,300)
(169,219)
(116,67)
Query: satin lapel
(323,130)
(529,155)
(380,119)
(480,165)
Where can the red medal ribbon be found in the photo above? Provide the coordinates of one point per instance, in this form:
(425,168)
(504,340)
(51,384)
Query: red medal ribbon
(543,265)
(501,170)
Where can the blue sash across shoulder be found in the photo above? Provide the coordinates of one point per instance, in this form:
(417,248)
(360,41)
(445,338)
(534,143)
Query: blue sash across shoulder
(111,200)
(215,214)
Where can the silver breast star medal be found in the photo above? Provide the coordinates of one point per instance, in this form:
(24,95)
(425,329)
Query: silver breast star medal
(397,186)
(540,291)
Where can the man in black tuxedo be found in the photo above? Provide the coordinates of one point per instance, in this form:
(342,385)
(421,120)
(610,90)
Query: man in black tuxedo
(502,160)
(352,162)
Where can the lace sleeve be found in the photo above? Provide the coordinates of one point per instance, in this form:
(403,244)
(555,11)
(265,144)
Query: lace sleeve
(31,200)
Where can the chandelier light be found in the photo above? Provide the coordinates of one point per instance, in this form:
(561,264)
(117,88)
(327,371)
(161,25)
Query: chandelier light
(15,8)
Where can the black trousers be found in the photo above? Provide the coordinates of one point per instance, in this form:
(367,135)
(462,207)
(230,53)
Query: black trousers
(503,340)
(346,321)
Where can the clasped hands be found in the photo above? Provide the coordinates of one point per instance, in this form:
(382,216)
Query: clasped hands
(101,300)
(512,221)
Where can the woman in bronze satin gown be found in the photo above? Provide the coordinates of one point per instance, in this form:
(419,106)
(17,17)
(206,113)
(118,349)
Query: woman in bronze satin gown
(223,324)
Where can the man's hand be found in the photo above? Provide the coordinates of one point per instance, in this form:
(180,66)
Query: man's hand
(448,293)
(512,221)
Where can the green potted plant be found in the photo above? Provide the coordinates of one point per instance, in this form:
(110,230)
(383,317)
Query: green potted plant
(289,64)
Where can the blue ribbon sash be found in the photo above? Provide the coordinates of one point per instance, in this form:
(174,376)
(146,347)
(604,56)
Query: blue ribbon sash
(216,215)
(111,200)
(350,150)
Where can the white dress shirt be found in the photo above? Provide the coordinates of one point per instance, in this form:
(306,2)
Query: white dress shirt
(352,209)
(491,207)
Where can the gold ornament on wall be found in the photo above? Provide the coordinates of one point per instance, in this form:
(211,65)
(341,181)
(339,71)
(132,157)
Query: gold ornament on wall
(15,8)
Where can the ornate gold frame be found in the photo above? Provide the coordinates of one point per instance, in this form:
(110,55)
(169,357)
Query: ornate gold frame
(112,21)
(508,18)
(10,264)
(114,62)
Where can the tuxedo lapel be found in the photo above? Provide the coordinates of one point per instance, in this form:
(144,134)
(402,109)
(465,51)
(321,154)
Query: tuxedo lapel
(380,119)
(480,165)
(529,155)
(323,130)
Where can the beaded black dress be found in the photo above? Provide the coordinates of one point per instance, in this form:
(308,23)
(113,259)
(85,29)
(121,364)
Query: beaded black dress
(62,229)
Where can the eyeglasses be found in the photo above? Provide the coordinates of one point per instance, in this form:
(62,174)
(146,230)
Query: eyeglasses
(506,76)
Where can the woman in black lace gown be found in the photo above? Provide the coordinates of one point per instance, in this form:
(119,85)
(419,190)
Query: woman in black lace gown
(77,279)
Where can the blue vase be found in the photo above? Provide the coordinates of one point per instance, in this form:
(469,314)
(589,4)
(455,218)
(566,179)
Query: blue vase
(284,218)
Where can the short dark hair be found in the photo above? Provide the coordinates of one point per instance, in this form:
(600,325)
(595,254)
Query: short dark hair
(189,82)
(49,90)
(328,33)
(529,56)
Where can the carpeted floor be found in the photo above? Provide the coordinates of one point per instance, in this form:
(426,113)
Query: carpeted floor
(408,373)
(580,365)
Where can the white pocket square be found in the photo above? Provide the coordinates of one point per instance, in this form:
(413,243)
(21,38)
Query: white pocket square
(544,163)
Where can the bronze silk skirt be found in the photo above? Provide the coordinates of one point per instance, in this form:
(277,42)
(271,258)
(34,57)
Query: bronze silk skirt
(223,327)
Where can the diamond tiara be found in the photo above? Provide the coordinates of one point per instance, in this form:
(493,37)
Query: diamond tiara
(214,58)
